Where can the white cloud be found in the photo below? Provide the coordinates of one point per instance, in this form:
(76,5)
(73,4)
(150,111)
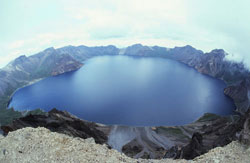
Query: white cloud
(203,24)
(16,44)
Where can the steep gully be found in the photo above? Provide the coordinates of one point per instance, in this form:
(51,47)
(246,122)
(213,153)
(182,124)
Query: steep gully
(207,132)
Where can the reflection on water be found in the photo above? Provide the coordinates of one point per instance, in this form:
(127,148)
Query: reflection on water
(129,91)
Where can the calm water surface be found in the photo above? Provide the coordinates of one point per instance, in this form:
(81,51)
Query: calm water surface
(129,91)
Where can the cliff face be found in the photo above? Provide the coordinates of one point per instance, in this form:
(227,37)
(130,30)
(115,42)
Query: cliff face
(217,135)
(235,75)
(240,93)
(213,63)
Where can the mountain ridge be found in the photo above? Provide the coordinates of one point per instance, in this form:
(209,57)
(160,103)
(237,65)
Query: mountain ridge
(51,61)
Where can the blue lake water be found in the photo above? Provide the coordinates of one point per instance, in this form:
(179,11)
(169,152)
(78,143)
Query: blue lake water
(129,91)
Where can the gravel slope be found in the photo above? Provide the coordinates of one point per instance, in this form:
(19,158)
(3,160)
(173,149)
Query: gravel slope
(41,145)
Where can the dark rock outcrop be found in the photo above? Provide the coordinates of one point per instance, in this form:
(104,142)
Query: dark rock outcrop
(61,122)
(240,94)
(219,134)
(245,133)
(208,133)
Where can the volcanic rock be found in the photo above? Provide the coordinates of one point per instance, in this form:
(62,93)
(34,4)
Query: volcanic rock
(61,122)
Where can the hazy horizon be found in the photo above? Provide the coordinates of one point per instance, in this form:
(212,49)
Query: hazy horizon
(32,26)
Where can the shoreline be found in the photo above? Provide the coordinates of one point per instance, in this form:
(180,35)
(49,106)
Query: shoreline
(28,84)
(235,111)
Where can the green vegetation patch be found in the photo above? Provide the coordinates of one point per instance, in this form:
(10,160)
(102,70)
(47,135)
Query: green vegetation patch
(208,117)
(8,115)
(173,131)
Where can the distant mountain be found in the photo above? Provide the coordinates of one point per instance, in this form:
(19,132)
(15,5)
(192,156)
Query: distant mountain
(52,61)
(82,53)
(24,69)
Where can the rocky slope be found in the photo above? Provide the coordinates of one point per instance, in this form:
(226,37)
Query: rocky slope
(120,138)
(24,69)
(61,122)
(240,93)
(186,142)
(41,145)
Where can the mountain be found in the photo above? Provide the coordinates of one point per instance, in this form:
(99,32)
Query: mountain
(216,65)
(24,70)
(82,53)
(49,62)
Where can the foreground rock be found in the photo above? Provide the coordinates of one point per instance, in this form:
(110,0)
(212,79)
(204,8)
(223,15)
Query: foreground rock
(61,122)
(232,153)
(122,138)
(185,142)
(139,142)
(40,145)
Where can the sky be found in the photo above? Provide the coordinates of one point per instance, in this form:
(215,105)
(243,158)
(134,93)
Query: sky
(30,26)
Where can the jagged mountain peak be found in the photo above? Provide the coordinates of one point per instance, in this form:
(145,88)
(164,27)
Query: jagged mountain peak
(187,48)
(136,45)
(19,60)
(49,50)
(218,51)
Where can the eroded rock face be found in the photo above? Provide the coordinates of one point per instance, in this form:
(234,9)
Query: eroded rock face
(240,94)
(245,133)
(146,143)
(219,134)
(61,122)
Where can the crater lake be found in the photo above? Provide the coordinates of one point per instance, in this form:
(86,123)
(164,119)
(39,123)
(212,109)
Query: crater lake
(134,91)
